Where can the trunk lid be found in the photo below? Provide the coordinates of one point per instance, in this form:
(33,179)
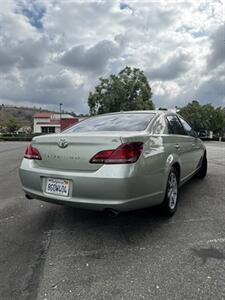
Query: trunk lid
(78,148)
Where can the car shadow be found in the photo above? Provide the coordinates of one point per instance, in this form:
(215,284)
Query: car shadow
(128,229)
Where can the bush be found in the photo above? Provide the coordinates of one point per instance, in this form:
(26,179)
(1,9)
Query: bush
(17,138)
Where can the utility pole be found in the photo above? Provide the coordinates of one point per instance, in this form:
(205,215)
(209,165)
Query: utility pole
(60,114)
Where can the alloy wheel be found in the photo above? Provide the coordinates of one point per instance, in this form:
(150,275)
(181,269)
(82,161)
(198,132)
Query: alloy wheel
(172,190)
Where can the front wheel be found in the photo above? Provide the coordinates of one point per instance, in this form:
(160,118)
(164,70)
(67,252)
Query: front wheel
(169,205)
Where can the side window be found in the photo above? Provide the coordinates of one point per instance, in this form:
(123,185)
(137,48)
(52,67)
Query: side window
(175,126)
(187,128)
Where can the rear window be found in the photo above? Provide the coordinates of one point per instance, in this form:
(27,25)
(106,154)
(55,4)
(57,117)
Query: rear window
(120,122)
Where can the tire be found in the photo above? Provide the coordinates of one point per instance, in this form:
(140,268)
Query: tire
(203,170)
(169,205)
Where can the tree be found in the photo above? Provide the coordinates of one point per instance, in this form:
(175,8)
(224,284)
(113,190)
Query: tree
(192,113)
(12,125)
(204,116)
(129,90)
(218,120)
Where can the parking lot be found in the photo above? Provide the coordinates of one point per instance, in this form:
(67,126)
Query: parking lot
(56,252)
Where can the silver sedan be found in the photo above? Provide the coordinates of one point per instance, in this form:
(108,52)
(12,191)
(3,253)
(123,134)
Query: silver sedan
(119,162)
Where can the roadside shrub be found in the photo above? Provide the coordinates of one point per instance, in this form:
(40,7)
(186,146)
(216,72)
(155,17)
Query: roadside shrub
(17,138)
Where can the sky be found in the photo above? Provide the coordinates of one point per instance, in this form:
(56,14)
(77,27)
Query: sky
(54,51)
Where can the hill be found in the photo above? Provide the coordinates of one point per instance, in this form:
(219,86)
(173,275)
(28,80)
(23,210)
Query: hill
(22,115)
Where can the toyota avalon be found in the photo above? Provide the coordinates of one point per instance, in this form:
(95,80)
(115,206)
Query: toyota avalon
(119,161)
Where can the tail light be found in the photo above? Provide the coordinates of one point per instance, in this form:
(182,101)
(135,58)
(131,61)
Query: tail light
(32,153)
(125,154)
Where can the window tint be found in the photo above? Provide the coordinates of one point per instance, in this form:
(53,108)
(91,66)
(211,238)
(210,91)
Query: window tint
(117,122)
(175,126)
(187,127)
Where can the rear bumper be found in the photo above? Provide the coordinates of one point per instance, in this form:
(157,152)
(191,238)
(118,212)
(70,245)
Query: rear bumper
(120,188)
(100,205)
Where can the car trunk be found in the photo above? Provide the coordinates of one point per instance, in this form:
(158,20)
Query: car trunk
(80,149)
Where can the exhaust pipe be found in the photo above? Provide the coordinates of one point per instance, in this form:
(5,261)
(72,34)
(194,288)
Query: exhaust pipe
(28,197)
(112,212)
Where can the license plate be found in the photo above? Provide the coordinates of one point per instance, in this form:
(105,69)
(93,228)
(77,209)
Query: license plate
(57,186)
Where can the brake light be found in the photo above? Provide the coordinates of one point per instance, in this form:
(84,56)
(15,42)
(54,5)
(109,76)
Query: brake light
(32,153)
(125,154)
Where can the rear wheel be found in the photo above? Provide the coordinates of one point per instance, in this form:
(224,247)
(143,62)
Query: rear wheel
(169,205)
(203,170)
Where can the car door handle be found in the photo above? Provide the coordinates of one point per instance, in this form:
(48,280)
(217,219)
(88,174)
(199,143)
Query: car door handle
(177,146)
(193,145)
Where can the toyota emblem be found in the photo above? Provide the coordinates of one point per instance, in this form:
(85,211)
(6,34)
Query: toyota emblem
(63,143)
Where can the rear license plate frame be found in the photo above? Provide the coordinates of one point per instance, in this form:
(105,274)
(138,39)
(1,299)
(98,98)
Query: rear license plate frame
(57,187)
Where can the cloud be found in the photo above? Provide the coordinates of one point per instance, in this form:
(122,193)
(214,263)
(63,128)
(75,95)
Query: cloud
(54,51)
(7,60)
(33,10)
(46,90)
(212,91)
(14,26)
(174,66)
(26,54)
(92,59)
(124,5)
(33,53)
(217,53)
(65,79)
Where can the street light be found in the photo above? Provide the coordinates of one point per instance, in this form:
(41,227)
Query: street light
(60,113)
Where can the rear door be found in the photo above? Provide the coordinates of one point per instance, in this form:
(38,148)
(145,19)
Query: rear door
(195,143)
(182,144)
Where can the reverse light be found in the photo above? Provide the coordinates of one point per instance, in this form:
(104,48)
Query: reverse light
(32,153)
(125,154)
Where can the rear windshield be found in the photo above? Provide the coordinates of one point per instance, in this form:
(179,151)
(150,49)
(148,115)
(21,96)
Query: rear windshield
(120,122)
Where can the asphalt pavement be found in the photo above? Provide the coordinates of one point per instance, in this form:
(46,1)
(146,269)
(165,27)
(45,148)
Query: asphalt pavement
(56,252)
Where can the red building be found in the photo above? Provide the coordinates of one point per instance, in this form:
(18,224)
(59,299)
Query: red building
(47,122)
